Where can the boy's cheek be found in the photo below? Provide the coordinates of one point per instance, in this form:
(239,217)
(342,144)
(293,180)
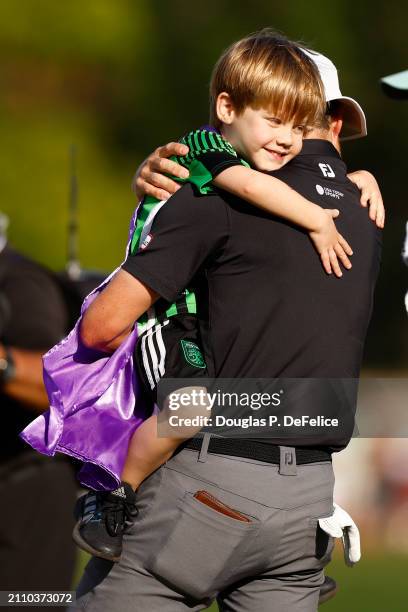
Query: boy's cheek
(297,147)
(289,157)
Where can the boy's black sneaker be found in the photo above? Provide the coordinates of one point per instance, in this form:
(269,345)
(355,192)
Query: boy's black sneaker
(102,518)
(328,590)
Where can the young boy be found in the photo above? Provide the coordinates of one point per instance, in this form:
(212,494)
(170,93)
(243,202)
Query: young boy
(263,118)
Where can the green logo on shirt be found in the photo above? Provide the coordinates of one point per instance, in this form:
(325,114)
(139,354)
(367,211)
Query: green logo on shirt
(192,354)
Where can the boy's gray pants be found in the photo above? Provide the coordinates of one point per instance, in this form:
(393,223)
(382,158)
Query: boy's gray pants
(181,554)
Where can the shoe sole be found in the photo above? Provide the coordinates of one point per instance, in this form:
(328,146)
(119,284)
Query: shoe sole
(327,596)
(81,543)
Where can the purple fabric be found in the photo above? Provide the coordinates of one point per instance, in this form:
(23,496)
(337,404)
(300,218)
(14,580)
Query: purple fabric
(95,404)
(209,128)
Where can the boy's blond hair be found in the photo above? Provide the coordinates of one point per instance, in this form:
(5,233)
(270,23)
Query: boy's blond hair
(266,70)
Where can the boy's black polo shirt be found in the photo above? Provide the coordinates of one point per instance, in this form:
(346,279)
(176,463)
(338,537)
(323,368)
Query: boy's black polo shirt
(273,311)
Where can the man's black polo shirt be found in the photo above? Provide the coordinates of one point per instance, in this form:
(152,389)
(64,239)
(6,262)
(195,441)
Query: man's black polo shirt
(272,310)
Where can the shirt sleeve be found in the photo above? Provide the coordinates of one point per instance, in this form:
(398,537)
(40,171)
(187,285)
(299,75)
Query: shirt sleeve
(187,234)
(209,154)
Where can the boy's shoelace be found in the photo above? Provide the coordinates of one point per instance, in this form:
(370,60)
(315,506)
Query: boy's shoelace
(117,511)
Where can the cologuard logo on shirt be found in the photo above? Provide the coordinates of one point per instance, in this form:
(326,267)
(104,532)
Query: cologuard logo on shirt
(146,241)
(328,191)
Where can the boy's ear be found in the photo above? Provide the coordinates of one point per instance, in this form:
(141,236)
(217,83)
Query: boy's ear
(225,108)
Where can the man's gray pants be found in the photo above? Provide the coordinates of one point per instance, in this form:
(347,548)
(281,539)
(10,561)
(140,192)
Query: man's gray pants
(181,554)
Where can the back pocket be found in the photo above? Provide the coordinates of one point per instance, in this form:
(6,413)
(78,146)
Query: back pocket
(196,554)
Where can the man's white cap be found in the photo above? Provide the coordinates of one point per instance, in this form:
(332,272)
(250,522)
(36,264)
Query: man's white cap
(354,121)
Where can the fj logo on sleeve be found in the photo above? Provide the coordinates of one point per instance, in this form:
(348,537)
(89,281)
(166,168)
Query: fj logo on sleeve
(192,354)
(327,170)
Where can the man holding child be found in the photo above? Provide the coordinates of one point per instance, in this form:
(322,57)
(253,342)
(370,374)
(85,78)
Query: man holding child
(235,519)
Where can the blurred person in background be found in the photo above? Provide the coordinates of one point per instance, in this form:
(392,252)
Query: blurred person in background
(390,457)
(37,492)
(396,86)
(405,259)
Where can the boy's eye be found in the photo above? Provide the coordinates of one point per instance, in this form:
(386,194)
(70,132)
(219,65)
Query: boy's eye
(274,120)
(300,129)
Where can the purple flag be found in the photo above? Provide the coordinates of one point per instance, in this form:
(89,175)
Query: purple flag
(95,403)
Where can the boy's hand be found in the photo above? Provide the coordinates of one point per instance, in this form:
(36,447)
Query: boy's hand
(370,195)
(331,245)
(150,178)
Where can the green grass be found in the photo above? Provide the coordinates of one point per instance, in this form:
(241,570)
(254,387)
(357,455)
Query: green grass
(377,584)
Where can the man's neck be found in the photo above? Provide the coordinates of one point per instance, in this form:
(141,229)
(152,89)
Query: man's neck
(325,135)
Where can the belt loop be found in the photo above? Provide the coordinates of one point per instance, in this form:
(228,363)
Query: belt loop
(202,455)
(287,465)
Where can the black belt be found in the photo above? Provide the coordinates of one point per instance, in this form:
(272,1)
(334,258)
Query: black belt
(250,449)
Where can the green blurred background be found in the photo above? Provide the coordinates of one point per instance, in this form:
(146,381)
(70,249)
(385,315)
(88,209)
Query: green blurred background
(119,77)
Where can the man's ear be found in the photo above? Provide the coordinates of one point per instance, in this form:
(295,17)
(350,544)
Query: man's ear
(225,108)
(336,124)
